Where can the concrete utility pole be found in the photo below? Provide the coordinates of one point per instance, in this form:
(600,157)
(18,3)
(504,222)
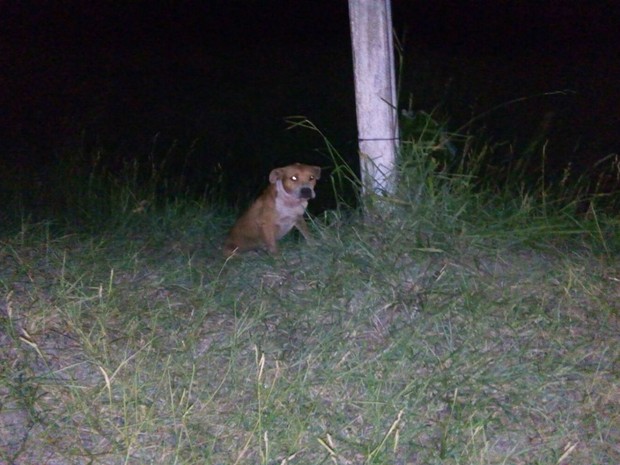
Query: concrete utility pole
(375,92)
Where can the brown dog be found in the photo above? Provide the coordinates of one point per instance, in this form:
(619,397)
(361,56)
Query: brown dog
(278,209)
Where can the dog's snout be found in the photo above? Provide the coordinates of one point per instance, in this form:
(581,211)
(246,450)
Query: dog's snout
(306,193)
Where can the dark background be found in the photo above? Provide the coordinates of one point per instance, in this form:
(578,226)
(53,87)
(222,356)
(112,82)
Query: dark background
(209,84)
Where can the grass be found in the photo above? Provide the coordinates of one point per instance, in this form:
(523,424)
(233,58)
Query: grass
(451,324)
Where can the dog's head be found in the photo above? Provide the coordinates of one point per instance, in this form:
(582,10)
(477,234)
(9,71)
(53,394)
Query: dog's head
(298,180)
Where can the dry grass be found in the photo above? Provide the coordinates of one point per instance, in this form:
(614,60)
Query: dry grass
(399,341)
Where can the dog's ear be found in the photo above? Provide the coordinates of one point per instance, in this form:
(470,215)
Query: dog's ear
(275,175)
(317,172)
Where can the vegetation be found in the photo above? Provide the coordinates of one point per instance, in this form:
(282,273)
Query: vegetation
(459,321)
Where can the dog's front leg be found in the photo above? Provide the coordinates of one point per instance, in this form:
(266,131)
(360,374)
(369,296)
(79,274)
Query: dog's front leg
(302,227)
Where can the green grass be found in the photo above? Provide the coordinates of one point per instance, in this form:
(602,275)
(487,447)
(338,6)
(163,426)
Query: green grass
(450,324)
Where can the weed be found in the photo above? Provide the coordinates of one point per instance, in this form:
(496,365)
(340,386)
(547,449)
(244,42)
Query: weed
(453,322)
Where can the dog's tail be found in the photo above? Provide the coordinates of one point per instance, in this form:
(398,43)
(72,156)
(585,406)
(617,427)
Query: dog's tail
(229,249)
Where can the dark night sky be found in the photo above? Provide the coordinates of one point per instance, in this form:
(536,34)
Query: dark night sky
(227,73)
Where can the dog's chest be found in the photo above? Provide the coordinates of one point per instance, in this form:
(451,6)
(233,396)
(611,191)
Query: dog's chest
(288,213)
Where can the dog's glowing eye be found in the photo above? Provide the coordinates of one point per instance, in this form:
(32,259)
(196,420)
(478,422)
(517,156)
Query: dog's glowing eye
(311,178)
(293,178)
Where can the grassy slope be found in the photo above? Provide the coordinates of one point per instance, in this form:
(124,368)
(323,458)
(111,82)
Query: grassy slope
(444,328)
